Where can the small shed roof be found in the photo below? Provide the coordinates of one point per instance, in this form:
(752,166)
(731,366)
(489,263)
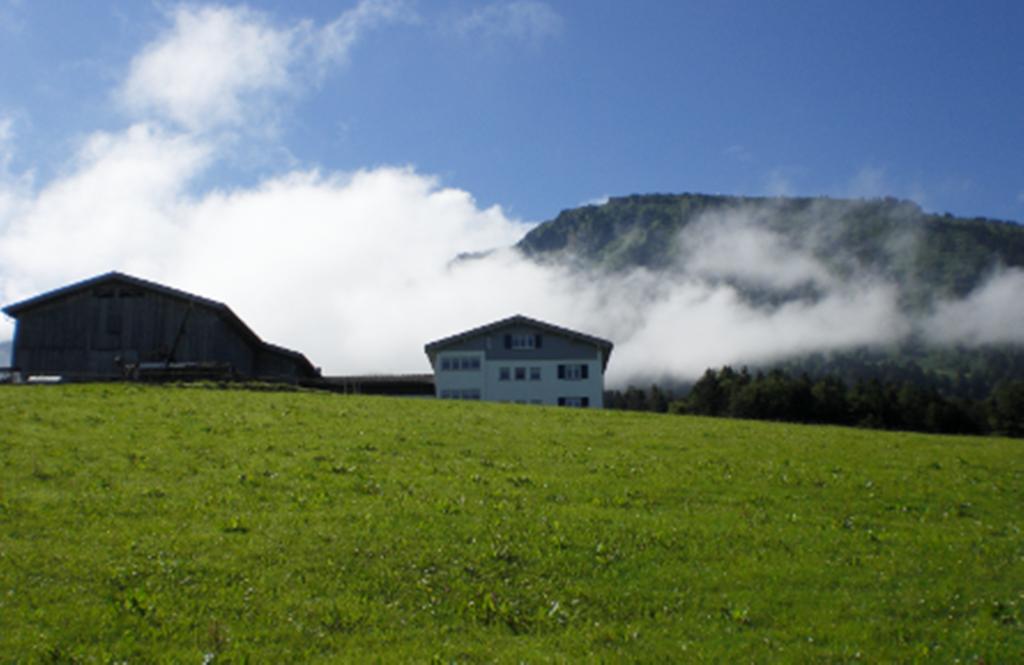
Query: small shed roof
(519,320)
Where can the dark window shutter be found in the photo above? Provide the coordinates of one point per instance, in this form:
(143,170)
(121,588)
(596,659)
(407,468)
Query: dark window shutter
(561,371)
(561,401)
(537,341)
(508,341)
(583,370)
(586,402)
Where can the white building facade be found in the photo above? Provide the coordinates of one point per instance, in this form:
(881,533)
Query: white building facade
(521,360)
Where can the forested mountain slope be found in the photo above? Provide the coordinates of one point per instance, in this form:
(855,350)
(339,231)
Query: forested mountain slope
(953,279)
(930,256)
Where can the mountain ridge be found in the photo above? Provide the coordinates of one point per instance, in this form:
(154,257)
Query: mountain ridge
(940,267)
(640,230)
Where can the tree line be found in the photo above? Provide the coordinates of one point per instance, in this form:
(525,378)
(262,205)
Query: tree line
(873,403)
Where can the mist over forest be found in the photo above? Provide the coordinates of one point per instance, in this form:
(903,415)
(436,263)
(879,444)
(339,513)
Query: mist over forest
(853,312)
(694,281)
(680,283)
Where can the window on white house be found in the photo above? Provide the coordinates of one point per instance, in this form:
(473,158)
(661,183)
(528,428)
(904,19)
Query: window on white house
(520,373)
(523,341)
(457,363)
(573,372)
(535,374)
(471,393)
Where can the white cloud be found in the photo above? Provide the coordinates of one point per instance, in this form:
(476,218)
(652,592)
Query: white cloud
(221,66)
(696,326)
(352,269)
(356,270)
(204,70)
(333,44)
(523,20)
(110,209)
(991,314)
(732,246)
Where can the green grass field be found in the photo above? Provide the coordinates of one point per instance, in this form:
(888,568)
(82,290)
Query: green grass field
(177,524)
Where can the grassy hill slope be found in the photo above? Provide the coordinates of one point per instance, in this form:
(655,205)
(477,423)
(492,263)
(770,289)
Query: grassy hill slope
(185,524)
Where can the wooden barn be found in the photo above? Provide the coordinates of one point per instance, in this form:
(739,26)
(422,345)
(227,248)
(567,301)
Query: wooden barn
(117,326)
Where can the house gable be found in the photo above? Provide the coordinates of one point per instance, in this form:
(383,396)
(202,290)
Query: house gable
(499,341)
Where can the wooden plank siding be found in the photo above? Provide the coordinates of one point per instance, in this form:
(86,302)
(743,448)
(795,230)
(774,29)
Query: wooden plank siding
(116,321)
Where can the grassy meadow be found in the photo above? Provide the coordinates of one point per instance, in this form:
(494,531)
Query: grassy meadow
(196,525)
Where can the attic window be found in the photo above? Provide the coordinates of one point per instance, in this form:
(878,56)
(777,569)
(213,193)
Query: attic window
(522,342)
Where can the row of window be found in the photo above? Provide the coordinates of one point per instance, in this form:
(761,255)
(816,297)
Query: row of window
(569,372)
(579,402)
(573,372)
(469,393)
(565,372)
(523,342)
(516,342)
(457,363)
(520,373)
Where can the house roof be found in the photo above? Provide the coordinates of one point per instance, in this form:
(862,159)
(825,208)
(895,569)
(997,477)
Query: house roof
(519,320)
(18,308)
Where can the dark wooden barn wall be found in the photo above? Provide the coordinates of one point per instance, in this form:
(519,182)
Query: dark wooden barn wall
(274,364)
(89,333)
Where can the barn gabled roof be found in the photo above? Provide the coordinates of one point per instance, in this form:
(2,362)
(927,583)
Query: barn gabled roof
(519,320)
(31,303)
(294,355)
(115,277)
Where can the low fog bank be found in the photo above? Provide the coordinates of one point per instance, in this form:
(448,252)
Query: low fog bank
(355,270)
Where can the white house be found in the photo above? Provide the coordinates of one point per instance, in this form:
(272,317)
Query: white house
(522,360)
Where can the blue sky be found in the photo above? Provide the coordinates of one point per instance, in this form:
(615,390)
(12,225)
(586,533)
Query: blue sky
(559,103)
(317,165)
